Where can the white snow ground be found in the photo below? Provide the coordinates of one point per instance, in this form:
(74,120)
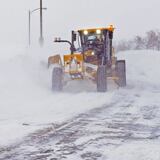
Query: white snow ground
(27,102)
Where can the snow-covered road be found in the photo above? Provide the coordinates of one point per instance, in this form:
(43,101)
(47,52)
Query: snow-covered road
(36,122)
(95,135)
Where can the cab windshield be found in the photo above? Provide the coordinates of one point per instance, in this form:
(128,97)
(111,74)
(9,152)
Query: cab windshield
(92,37)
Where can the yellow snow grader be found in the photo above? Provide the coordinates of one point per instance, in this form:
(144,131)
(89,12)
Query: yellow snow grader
(92,59)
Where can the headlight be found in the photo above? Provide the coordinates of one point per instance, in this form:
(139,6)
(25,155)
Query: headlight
(98,31)
(92,53)
(85,32)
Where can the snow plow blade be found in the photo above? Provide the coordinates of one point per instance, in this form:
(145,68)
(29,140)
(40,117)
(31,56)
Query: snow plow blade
(56,59)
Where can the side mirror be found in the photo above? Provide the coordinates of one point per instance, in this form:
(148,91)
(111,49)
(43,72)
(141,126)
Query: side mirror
(57,39)
(74,36)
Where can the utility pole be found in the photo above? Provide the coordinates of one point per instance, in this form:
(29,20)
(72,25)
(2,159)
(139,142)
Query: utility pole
(41,39)
(29,32)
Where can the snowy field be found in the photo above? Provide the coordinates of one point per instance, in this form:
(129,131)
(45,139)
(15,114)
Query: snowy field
(28,104)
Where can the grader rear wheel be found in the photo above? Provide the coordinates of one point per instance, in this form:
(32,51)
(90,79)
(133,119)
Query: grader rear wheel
(101,79)
(121,73)
(57,79)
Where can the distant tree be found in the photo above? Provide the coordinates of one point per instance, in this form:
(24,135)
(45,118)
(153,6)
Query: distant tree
(158,40)
(123,45)
(151,39)
(139,43)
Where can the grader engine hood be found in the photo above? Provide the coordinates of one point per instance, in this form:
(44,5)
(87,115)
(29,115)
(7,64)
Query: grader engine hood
(73,64)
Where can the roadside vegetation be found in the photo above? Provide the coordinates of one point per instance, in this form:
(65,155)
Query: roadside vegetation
(150,41)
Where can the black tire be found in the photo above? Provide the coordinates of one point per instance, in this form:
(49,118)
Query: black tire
(101,79)
(121,73)
(57,79)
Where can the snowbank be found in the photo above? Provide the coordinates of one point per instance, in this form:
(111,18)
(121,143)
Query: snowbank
(142,67)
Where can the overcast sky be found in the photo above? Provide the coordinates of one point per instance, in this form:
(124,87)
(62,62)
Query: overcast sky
(130,17)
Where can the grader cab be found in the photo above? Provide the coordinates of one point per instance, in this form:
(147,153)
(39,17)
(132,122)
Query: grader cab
(93,59)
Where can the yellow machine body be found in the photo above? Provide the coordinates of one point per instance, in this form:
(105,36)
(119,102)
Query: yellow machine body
(93,59)
(74,65)
(109,28)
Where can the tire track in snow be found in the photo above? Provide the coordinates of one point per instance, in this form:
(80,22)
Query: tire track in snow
(85,136)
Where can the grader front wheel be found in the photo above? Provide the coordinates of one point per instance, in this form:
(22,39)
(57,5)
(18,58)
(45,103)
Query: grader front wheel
(101,79)
(57,79)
